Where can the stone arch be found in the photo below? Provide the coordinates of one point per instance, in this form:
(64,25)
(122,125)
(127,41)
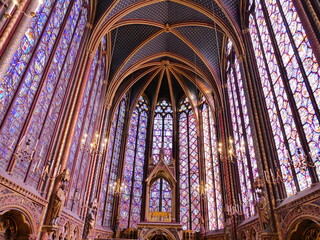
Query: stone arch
(304,227)
(16,223)
(297,217)
(253,234)
(76,233)
(66,231)
(243,236)
(160,231)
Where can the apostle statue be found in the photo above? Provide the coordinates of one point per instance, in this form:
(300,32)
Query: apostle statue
(262,206)
(91,218)
(57,203)
(59,196)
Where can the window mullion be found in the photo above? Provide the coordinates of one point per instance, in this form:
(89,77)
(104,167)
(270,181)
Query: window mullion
(296,54)
(111,163)
(134,168)
(276,105)
(285,80)
(189,174)
(212,163)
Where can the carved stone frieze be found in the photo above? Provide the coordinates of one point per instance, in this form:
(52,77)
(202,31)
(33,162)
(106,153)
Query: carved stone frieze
(69,226)
(310,210)
(31,209)
(248,227)
(4,191)
(303,205)
(10,186)
(102,233)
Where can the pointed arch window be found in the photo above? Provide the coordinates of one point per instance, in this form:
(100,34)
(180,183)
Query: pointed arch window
(242,140)
(188,168)
(133,166)
(213,178)
(34,87)
(290,79)
(160,196)
(162,131)
(110,176)
(79,156)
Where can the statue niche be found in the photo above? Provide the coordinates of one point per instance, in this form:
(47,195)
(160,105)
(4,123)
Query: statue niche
(160,209)
(161,188)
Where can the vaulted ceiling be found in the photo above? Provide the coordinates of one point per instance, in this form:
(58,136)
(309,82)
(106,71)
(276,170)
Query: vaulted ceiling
(166,48)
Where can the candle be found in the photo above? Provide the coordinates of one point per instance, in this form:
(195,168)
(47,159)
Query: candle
(37,142)
(40,154)
(34,13)
(22,140)
(12,145)
(35,167)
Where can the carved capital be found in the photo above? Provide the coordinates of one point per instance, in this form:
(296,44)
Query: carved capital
(241,58)
(245,31)
(89,25)
(90,53)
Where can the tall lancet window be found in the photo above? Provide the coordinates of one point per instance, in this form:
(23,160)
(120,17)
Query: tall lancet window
(133,166)
(188,168)
(290,79)
(111,165)
(244,152)
(162,131)
(160,196)
(213,181)
(79,156)
(33,85)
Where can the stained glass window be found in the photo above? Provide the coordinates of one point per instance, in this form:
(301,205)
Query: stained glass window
(160,196)
(29,85)
(162,132)
(213,181)
(78,147)
(53,90)
(155,199)
(293,95)
(189,168)
(243,140)
(110,177)
(18,64)
(84,156)
(133,167)
(33,87)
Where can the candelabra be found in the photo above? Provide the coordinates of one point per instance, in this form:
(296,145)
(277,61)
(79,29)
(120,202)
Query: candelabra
(94,148)
(25,153)
(233,210)
(117,188)
(301,159)
(202,189)
(227,152)
(277,178)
